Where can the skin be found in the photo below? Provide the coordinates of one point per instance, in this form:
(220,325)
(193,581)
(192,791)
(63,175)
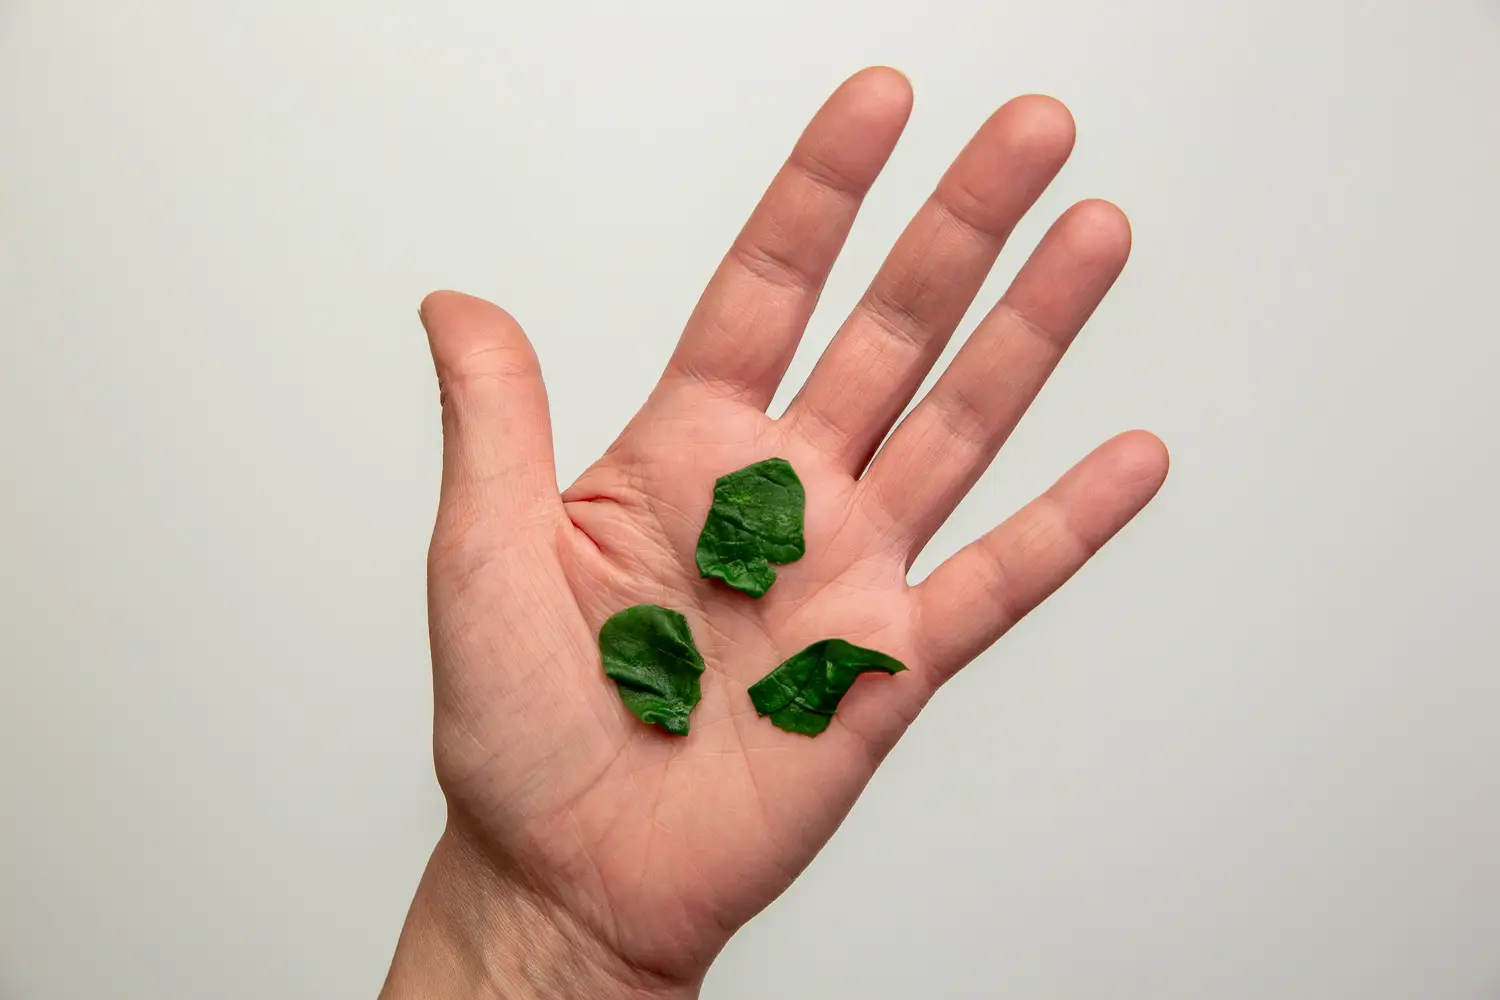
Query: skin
(589,855)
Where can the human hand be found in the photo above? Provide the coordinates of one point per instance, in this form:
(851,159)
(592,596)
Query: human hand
(589,854)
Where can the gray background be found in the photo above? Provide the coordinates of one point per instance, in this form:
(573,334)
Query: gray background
(1250,752)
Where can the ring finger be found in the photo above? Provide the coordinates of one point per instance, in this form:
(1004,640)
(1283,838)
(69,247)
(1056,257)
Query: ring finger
(951,436)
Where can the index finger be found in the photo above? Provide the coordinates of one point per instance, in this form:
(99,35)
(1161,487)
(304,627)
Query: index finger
(745,329)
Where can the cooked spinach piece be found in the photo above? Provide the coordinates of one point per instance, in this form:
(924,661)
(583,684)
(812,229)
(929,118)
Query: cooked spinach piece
(648,652)
(755,520)
(802,694)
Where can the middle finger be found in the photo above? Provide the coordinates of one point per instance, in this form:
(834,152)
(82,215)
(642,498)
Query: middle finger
(884,350)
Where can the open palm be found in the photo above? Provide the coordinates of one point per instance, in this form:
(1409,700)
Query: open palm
(656,848)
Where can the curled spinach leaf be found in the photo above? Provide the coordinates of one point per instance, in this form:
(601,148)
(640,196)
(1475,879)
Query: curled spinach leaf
(802,694)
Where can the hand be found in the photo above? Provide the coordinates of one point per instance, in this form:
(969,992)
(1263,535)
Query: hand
(618,860)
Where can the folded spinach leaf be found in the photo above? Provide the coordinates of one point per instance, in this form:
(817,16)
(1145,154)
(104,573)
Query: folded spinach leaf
(755,520)
(648,652)
(802,694)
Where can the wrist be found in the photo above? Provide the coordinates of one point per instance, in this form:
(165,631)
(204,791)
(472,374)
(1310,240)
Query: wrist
(474,935)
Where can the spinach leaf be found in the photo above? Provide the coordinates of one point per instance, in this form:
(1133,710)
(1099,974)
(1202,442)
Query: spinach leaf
(802,694)
(648,652)
(755,520)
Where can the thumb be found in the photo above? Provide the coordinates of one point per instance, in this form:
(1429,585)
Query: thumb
(497,438)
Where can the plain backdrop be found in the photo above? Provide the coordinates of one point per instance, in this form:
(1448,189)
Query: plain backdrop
(1252,751)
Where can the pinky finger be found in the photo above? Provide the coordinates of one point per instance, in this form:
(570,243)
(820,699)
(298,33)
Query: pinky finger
(975,596)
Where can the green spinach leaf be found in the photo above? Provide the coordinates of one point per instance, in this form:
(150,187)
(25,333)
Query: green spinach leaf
(755,520)
(648,652)
(802,694)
